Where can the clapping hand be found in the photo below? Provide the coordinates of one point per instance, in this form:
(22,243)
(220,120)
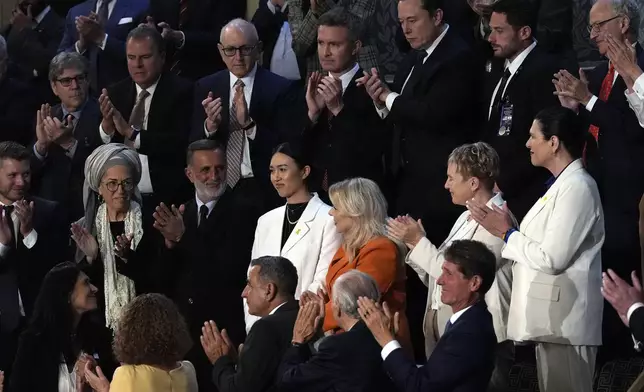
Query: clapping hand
(21,20)
(497,221)
(314,100)
(57,131)
(85,241)
(620,294)
(330,89)
(90,28)
(43,140)
(213,107)
(5,231)
(379,320)
(216,344)
(97,381)
(83,362)
(169,222)
(623,57)
(170,34)
(406,230)
(122,245)
(1,380)
(309,320)
(25,213)
(107,111)
(376,89)
(570,90)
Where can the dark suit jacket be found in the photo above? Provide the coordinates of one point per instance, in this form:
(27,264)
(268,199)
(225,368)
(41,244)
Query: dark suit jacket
(352,145)
(268,27)
(199,55)
(32,50)
(636,324)
(60,178)
(265,344)
(17,111)
(23,269)
(266,108)
(462,361)
(349,361)
(166,138)
(106,66)
(616,164)
(529,91)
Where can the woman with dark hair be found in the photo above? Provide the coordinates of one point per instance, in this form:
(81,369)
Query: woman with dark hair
(61,337)
(557,271)
(302,230)
(151,340)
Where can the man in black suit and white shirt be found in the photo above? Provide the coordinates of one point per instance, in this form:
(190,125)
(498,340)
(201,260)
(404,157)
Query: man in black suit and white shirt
(33,239)
(243,108)
(270,294)
(344,136)
(208,243)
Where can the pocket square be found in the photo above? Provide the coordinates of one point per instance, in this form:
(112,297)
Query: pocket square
(125,20)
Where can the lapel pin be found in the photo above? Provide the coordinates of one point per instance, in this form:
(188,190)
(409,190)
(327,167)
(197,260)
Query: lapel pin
(297,232)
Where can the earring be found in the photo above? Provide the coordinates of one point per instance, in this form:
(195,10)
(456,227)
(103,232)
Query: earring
(100,199)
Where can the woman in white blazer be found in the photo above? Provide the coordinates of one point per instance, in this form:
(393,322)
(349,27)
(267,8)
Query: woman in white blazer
(302,230)
(471,173)
(556,299)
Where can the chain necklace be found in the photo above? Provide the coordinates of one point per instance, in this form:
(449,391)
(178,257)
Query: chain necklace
(294,210)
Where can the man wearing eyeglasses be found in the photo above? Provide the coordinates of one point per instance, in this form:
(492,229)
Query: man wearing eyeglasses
(243,107)
(65,135)
(615,142)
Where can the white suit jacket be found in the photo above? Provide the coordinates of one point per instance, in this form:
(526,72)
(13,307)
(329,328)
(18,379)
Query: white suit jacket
(556,294)
(310,247)
(427,260)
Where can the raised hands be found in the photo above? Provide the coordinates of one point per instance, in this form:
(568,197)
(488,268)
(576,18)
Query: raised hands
(407,230)
(90,29)
(25,213)
(314,100)
(21,20)
(84,361)
(497,221)
(122,245)
(376,88)
(169,222)
(623,57)
(330,89)
(570,90)
(96,380)
(216,344)
(5,230)
(620,294)
(112,121)
(212,106)
(85,241)
(379,320)
(50,129)
(309,320)
(169,34)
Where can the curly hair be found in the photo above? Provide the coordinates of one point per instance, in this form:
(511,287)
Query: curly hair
(151,331)
(477,160)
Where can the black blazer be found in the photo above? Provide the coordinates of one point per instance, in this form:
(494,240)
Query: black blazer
(352,144)
(205,18)
(265,344)
(462,361)
(529,91)
(18,108)
(349,361)
(60,178)
(269,26)
(23,268)
(166,138)
(636,324)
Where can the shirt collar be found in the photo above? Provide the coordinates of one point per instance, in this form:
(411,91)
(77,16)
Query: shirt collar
(277,307)
(347,77)
(77,113)
(514,65)
(458,314)
(210,204)
(437,41)
(42,15)
(248,80)
(150,89)
(552,179)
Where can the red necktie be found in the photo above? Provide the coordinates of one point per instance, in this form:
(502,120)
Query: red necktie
(604,93)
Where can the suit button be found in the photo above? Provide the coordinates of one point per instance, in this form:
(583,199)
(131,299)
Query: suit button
(190,301)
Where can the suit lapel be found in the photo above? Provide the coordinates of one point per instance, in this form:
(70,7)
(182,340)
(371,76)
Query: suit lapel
(120,11)
(303,225)
(161,103)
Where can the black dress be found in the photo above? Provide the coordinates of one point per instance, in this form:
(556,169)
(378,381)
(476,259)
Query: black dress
(292,214)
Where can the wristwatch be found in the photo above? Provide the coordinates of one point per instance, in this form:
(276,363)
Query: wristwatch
(135,133)
(249,125)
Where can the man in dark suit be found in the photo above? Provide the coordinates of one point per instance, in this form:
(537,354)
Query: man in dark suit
(191,28)
(518,86)
(628,301)
(97,29)
(209,241)
(344,136)
(33,35)
(32,240)
(270,292)
(66,134)
(157,105)
(463,359)
(243,108)
(345,362)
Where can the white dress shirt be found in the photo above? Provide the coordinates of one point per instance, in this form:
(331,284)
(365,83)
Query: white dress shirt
(347,77)
(110,8)
(389,101)
(636,99)
(249,81)
(42,14)
(513,66)
(210,205)
(145,185)
(66,379)
(282,304)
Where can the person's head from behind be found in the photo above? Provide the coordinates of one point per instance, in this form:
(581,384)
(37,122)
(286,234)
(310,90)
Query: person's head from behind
(272,280)
(619,18)
(145,51)
(239,47)
(15,172)
(206,169)
(68,79)
(467,274)
(151,331)
(289,170)
(338,41)
(513,25)
(556,133)
(346,290)
(421,21)
(471,169)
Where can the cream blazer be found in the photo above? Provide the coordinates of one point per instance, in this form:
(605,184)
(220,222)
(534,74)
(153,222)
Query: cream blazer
(557,272)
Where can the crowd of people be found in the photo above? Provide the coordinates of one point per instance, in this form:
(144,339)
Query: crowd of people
(193,201)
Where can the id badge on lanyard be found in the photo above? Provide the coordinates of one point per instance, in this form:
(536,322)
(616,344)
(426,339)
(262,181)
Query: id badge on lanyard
(505,124)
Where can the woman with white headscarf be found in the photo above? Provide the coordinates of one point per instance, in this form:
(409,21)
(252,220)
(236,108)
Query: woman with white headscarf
(110,237)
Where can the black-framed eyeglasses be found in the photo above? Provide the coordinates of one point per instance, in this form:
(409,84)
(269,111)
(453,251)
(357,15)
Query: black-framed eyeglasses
(113,185)
(66,82)
(243,50)
(598,25)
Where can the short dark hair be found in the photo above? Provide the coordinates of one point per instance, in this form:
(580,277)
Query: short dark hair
(13,150)
(473,258)
(294,152)
(340,17)
(144,32)
(278,271)
(203,145)
(519,13)
(566,126)
(432,6)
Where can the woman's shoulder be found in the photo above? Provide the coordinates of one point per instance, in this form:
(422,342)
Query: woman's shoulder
(379,244)
(268,217)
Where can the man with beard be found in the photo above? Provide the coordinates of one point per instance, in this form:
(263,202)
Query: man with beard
(208,242)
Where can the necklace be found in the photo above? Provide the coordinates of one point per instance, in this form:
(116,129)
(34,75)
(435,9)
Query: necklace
(294,211)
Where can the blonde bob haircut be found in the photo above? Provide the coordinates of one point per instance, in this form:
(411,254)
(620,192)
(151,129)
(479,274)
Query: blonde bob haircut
(362,200)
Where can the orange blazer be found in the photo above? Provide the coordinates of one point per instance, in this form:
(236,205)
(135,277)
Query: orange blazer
(380,259)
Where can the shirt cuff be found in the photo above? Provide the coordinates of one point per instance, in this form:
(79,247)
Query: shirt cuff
(77,47)
(183,40)
(639,86)
(104,136)
(591,103)
(4,249)
(37,154)
(507,235)
(389,348)
(632,309)
(206,131)
(637,345)
(383,113)
(271,6)
(251,133)
(137,141)
(30,239)
(389,101)
(102,44)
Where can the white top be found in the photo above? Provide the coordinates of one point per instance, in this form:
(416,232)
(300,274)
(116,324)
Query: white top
(458,314)
(66,380)
(636,99)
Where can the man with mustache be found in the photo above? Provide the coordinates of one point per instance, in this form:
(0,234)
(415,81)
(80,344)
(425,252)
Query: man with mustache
(208,244)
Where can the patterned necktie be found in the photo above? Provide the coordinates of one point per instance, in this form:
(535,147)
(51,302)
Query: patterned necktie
(604,93)
(104,12)
(137,117)
(236,140)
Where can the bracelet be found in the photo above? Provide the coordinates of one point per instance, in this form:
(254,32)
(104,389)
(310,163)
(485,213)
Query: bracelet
(506,235)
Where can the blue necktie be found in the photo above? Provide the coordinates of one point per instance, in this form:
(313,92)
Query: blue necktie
(448,326)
